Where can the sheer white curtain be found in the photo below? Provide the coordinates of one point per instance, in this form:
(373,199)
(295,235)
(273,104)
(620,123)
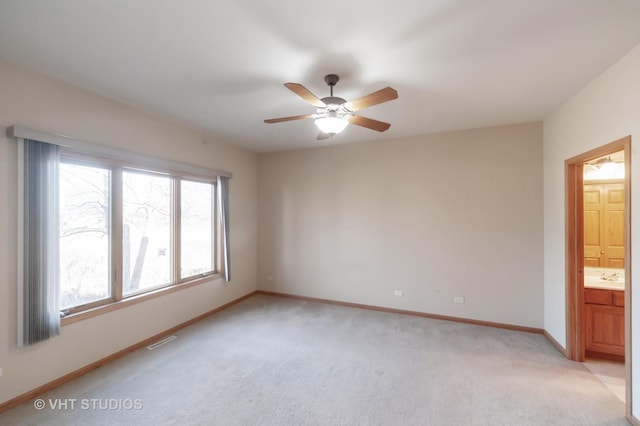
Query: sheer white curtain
(38,290)
(223,185)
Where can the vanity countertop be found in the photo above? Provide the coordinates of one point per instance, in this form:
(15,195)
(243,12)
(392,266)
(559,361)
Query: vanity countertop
(595,278)
(596,282)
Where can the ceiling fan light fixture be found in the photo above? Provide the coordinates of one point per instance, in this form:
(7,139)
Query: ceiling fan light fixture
(334,114)
(331,125)
(604,162)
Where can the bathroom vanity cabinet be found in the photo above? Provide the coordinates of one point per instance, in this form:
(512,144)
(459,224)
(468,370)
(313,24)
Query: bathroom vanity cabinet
(604,321)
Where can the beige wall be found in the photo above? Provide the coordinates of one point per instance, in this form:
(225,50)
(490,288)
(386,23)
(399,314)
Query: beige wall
(456,214)
(31,100)
(606,110)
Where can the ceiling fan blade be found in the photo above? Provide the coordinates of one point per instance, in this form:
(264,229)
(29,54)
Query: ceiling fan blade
(369,123)
(305,94)
(294,117)
(375,98)
(322,136)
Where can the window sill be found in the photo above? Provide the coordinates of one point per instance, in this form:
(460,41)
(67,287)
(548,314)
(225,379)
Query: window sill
(99,310)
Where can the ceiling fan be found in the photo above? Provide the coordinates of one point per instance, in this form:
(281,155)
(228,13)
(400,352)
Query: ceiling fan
(333,113)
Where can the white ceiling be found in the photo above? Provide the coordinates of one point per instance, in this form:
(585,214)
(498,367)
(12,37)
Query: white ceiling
(220,65)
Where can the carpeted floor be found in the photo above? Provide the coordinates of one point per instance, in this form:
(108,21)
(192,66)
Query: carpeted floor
(275,361)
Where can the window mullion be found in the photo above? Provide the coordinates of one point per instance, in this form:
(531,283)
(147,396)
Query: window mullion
(116,229)
(176,230)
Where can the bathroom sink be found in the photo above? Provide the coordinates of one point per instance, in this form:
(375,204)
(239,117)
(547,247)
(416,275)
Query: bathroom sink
(597,282)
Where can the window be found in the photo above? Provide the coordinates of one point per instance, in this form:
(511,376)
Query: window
(198,233)
(85,254)
(146,233)
(127,231)
(101,228)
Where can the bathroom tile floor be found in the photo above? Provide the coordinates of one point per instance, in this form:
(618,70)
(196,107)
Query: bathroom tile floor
(610,373)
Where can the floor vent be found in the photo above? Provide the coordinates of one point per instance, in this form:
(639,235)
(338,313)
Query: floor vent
(161,342)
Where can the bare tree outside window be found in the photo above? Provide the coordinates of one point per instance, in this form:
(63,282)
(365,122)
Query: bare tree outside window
(84,234)
(146,212)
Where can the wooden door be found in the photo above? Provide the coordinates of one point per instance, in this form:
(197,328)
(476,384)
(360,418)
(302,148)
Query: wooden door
(593,225)
(604,225)
(614,225)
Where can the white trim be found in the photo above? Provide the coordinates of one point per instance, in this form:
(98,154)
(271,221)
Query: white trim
(112,153)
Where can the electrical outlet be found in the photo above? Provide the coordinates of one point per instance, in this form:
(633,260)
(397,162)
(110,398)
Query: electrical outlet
(397,293)
(0,371)
(269,277)
(458,299)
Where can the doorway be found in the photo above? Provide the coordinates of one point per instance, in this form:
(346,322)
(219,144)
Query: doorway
(575,254)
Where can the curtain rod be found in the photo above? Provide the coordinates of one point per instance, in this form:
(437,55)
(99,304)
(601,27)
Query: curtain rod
(115,153)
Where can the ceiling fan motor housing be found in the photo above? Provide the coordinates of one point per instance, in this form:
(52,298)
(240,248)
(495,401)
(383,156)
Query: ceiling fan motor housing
(332,102)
